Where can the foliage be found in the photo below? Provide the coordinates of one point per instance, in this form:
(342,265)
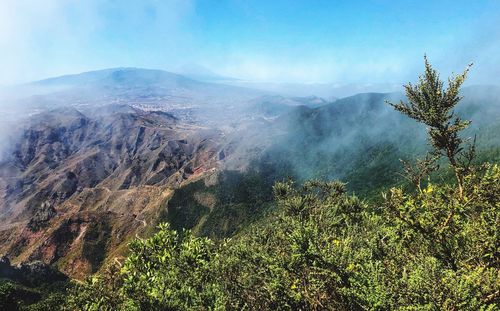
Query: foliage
(15,296)
(169,271)
(7,296)
(432,105)
(238,199)
(325,250)
(301,259)
(445,254)
(322,249)
(52,302)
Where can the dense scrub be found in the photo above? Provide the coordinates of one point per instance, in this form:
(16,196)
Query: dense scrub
(40,297)
(435,247)
(430,245)
(324,249)
(222,209)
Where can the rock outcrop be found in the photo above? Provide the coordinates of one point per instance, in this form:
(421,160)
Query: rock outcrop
(76,188)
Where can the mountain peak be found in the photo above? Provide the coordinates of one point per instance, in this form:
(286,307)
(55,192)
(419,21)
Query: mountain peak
(114,75)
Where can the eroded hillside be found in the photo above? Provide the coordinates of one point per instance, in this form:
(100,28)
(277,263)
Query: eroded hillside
(77,187)
(83,175)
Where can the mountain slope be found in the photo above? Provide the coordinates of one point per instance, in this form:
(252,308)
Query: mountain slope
(360,139)
(145,89)
(84,179)
(76,187)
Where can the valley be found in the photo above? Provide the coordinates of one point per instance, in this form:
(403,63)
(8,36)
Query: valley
(111,154)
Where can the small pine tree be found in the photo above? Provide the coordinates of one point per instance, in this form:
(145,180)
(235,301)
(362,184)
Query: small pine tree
(430,103)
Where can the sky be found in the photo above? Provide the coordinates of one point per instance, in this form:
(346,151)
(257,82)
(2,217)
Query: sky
(307,41)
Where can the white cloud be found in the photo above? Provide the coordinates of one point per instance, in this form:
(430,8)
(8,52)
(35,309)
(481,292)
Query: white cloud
(313,69)
(40,38)
(29,28)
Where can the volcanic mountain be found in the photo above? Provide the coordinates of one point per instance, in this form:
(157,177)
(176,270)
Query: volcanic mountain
(77,186)
(100,158)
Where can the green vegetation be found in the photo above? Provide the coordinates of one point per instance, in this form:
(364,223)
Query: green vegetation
(433,106)
(234,202)
(43,297)
(432,248)
(429,244)
(95,242)
(324,249)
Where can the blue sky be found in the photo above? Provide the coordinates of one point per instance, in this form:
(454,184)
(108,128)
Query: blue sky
(279,41)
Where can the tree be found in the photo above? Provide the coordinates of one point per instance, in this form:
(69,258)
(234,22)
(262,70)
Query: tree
(169,271)
(450,232)
(430,103)
(323,249)
(7,296)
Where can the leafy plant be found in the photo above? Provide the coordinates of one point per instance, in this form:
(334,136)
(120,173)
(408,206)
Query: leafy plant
(323,249)
(431,104)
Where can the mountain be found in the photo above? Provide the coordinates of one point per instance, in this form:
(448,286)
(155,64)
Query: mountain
(276,105)
(109,154)
(144,89)
(325,90)
(360,139)
(78,186)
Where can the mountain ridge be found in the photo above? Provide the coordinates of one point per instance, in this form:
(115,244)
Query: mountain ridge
(88,171)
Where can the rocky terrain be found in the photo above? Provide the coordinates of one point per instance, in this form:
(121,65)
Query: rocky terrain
(92,159)
(78,186)
(97,159)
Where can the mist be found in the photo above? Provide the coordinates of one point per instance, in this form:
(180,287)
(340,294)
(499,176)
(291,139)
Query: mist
(119,115)
(232,55)
(41,39)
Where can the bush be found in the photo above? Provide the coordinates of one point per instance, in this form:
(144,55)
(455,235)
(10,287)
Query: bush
(433,249)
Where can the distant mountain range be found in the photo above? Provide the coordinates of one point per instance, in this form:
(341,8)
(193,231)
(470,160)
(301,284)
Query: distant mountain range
(96,159)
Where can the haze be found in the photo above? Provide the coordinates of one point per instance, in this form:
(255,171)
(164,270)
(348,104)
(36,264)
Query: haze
(259,41)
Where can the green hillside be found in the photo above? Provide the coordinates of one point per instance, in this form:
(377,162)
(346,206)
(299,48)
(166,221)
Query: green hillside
(417,235)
